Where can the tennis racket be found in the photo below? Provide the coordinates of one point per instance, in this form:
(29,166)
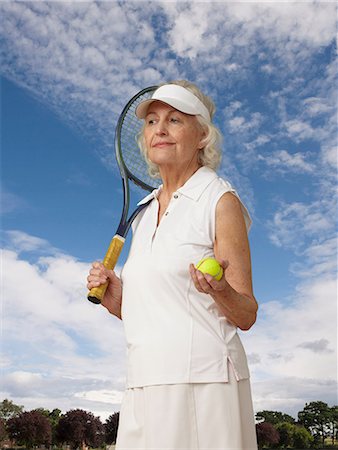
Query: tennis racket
(132,167)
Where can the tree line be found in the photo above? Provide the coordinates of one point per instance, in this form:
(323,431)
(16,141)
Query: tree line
(316,427)
(40,427)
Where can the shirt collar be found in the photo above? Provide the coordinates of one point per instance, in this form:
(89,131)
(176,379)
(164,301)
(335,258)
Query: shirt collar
(193,187)
(150,196)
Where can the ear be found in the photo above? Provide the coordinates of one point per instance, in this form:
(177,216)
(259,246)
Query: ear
(204,136)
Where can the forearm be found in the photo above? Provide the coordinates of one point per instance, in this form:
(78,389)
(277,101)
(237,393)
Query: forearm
(113,305)
(117,312)
(114,309)
(238,308)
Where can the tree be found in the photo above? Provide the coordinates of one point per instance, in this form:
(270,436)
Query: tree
(53,417)
(111,427)
(273,417)
(334,423)
(293,435)
(30,429)
(302,438)
(316,417)
(80,428)
(266,434)
(285,430)
(3,432)
(8,409)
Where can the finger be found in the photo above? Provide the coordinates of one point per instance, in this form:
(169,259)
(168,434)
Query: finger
(95,271)
(101,271)
(94,283)
(216,285)
(193,271)
(97,277)
(203,281)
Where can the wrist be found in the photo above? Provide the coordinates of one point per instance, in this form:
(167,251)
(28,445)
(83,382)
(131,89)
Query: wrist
(227,298)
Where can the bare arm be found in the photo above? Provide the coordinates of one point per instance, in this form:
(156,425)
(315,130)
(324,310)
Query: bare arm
(233,293)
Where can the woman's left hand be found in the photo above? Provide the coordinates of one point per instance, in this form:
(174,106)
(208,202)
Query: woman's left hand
(206,283)
(239,309)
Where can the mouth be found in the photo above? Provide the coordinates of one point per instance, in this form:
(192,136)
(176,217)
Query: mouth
(162,144)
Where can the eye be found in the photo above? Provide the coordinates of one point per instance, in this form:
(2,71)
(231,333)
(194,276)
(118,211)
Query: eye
(150,121)
(174,120)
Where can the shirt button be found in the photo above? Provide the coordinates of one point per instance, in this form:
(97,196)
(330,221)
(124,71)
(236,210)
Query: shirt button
(166,213)
(175,196)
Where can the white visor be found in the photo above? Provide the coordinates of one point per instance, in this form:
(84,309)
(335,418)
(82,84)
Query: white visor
(179,98)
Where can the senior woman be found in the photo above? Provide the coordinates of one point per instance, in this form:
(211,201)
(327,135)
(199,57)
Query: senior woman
(187,375)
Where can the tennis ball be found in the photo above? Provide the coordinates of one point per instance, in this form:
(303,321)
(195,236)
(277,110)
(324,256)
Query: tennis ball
(210,266)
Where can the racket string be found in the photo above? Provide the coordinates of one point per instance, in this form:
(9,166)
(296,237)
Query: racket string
(130,152)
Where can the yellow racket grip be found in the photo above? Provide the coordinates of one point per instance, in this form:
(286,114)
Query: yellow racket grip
(95,295)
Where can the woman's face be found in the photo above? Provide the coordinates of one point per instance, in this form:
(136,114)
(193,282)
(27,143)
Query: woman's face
(172,138)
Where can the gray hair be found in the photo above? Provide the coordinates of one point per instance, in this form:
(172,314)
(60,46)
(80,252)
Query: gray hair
(210,155)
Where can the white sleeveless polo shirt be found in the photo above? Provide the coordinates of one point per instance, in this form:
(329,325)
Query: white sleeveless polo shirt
(174,333)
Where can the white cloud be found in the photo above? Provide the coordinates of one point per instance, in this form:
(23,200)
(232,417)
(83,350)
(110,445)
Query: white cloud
(290,28)
(319,346)
(315,106)
(57,344)
(293,224)
(240,124)
(257,142)
(232,67)
(85,59)
(267,68)
(192,20)
(330,156)
(299,130)
(286,374)
(304,327)
(289,394)
(62,351)
(23,242)
(286,21)
(80,58)
(305,116)
(318,259)
(285,162)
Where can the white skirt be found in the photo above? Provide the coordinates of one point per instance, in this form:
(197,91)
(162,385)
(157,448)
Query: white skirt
(196,416)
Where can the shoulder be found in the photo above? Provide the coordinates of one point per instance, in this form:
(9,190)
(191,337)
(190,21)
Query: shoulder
(228,202)
(229,209)
(230,206)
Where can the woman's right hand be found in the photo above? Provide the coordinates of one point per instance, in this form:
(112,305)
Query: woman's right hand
(112,298)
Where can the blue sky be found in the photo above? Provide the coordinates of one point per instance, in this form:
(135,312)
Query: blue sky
(68,68)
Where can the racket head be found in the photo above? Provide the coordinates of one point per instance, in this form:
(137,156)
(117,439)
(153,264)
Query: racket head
(129,157)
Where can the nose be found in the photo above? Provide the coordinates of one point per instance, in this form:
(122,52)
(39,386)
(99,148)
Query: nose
(161,128)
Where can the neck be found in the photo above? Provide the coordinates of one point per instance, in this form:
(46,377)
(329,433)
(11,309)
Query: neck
(173,179)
